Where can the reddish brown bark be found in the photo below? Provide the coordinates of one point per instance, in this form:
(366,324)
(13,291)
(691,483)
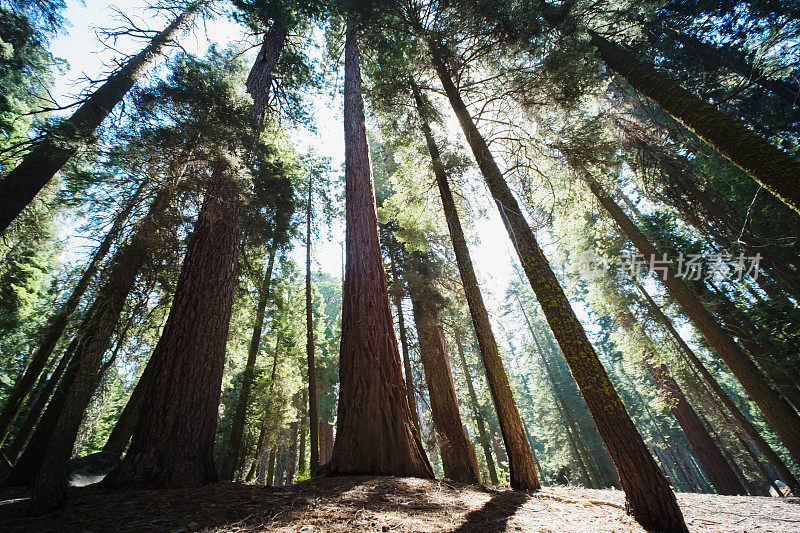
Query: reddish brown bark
(173,443)
(521,466)
(313,412)
(401,326)
(730,407)
(453,443)
(375,433)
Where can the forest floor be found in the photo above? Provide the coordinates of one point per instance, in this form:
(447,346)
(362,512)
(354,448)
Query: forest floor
(381,504)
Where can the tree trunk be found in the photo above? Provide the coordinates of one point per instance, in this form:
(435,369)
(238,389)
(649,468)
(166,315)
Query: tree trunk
(521,466)
(313,416)
(259,80)
(401,326)
(234,445)
(649,498)
(301,453)
(375,433)
(38,405)
(25,469)
(59,321)
(173,443)
(718,470)
(22,184)
(325,441)
(453,442)
(473,400)
(768,165)
(748,427)
(52,478)
(783,419)
(271,466)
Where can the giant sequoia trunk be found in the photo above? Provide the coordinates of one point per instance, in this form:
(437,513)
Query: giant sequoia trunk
(313,416)
(476,415)
(22,184)
(723,397)
(173,443)
(51,481)
(58,323)
(717,469)
(780,415)
(375,432)
(649,498)
(521,466)
(234,444)
(453,443)
(768,165)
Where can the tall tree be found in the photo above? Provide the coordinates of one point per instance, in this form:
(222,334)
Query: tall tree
(427,303)
(521,466)
(650,499)
(234,443)
(313,417)
(59,322)
(375,432)
(173,443)
(23,183)
(719,472)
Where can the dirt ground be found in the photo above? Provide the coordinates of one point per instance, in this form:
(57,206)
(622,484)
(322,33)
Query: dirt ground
(381,504)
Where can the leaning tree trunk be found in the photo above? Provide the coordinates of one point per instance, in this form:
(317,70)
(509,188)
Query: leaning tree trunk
(173,443)
(234,444)
(51,481)
(769,166)
(521,466)
(453,443)
(771,455)
(375,433)
(22,184)
(473,402)
(38,405)
(313,416)
(59,321)
(780,415)
(649,497)
(25,469)
(719,472)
